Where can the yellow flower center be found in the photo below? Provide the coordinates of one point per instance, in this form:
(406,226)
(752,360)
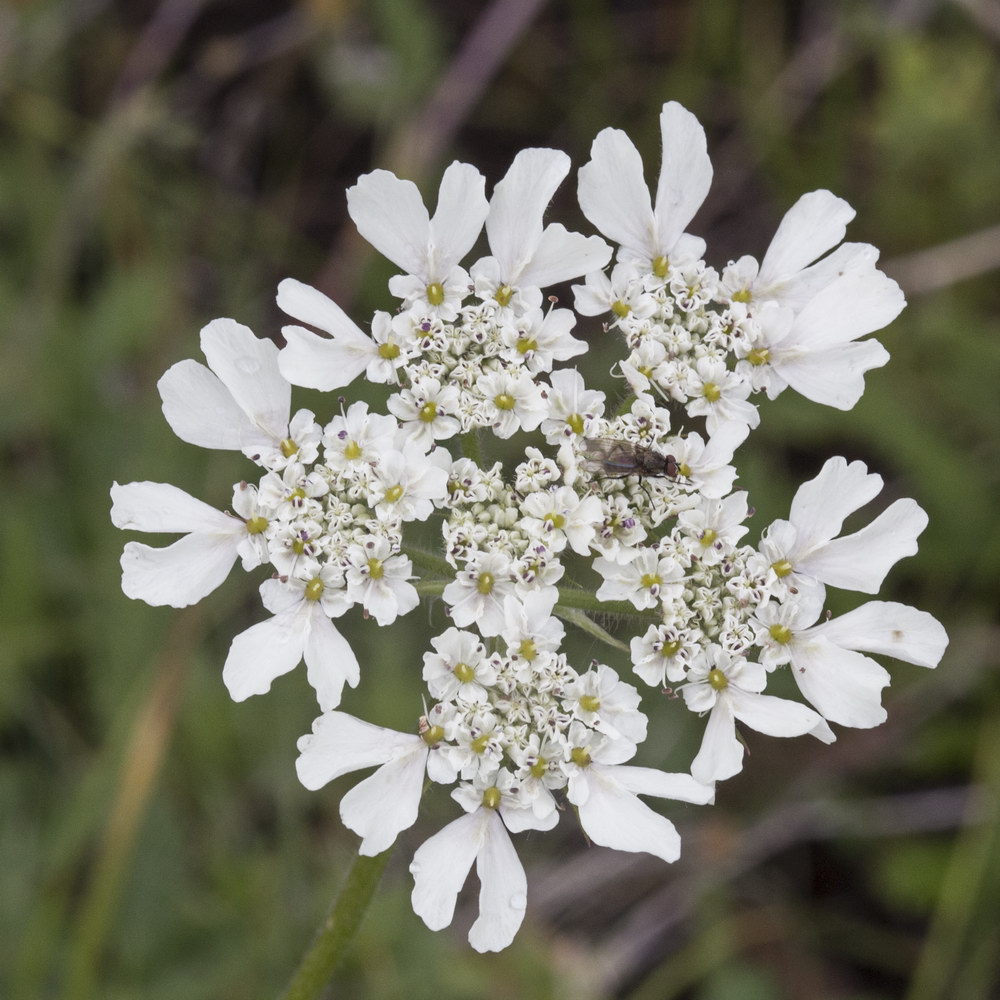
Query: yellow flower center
(432,735)
(650,580)
(528,649)
(491,798)
(375,569)
(575,422)
(672,648)
(684,469)
(711,392)
(352,451)
(505,401)
(388,351)
(464,673)
(782,567)
(620,309)
(707,537)
(759,356)
(257,525)
(556,520)
(526,344)
(589,703)
(435,293)
(485,583)
(480,743)
(314,589)
(579,756)
(661,267)
(298,546)
(393,493)
(503,295)
(743,295)
(717,679)
(288,447)
(537,770)
(428,412)
(781,633)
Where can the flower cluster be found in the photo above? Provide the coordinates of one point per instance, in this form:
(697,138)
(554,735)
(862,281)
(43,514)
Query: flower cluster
(628,508)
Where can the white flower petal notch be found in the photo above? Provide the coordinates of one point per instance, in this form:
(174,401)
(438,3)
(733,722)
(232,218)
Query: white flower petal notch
(614,196)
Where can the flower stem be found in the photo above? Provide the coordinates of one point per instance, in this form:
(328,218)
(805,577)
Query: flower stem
(335,933)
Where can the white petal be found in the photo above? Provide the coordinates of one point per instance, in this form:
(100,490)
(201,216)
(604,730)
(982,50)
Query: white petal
(835,377)
(613,817)
(858,302)
(721,753)
(664,785)
(180,574)
(561,255)
(821,505)
(162,507)
(862,560)
(330,661)
(248,367)
(817,222)
(773,716)
(385,803)
(613,194)
(441,866)
(202,411)
(797,290)
(842,685)
(340,743)
(514,223)
(263,652)
(309,305)
(686,174)
(503,890)
(458,219)
(389,213)
(891,629)
(317,363)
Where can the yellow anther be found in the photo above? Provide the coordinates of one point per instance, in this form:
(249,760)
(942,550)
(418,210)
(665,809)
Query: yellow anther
(717,679)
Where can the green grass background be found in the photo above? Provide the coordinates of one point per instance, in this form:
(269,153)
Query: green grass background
(164,163)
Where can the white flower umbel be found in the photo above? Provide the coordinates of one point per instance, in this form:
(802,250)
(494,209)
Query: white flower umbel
(390,214)
(805,548)
(379,580)
(614,196)
(729,688)
(648,579)
(301,628)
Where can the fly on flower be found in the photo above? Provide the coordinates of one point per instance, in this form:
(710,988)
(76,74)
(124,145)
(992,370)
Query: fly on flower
(615,459)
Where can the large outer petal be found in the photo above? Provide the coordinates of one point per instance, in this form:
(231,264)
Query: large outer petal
(458,219)
(856,303)
(773,716)
(821,505)
(613,817)
(842,685)
(389,213)
(721,753)
(833,377)
(561,255)
(330,661)
(202,411)
(514,222)
(817,222)
(180,574)
(797,290)
(309,305)
(248,368)
(663,784)
(441,866)
(317,363)
(685,176)
(613,193)
(340,743)
(385,803)
(263,652)
(862,560)
(503,889)
(891,629)
(150,506)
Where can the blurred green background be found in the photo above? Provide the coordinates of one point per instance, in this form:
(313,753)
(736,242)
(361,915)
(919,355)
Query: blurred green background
(164,163)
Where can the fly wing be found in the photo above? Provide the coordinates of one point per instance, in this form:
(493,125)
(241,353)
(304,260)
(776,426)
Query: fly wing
(609,458)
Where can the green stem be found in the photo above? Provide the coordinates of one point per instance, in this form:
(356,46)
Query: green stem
(335,933)
(469,443)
